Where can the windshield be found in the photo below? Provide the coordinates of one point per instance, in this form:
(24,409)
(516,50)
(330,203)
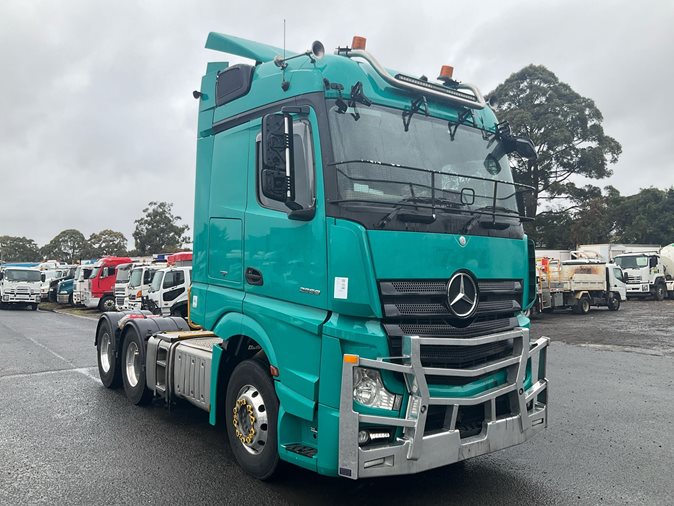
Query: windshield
(94,273)
(635,262)
(136,278)
(156,281)
(458,174)
(22,275)
(122,275)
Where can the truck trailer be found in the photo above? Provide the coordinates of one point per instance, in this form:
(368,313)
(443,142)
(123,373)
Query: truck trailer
(360,271)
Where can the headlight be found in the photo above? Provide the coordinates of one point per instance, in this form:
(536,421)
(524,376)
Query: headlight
(369,390)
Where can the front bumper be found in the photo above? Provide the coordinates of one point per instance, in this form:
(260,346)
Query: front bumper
(416,451)
(20,298)
(642,288)
(63,298)
(91,302)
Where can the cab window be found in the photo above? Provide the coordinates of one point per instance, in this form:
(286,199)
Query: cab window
(173,278)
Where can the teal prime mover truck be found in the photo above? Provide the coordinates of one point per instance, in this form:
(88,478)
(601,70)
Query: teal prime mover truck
(360,271)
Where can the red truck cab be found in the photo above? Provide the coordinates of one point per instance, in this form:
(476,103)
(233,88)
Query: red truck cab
(101,283)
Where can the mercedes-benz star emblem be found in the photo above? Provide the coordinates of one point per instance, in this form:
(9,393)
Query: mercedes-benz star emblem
(462,295)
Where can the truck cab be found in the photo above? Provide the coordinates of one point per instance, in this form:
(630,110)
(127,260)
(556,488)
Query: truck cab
(360,271)
(139,284)
(645,274)
(122,285)
(81,281)
(21,287)
(168,291)
(101,283)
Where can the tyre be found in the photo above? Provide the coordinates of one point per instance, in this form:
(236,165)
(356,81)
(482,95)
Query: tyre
(582,306)
(251,414)
(613,303)
(660,291)
(33,307)
(670,294)
(133,369)
(180,311)
(70,299)
(108,367)
(107,303)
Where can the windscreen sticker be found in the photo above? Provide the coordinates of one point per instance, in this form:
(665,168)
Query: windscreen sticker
(341,288)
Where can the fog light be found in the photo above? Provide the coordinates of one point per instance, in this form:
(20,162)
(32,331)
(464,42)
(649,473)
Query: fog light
(369,390)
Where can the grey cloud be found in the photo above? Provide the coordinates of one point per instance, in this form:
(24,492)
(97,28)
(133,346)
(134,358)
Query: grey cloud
(97,117)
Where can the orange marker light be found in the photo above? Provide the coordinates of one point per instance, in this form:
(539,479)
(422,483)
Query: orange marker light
(446,73)
(273,370)
(351,359)
(358,42)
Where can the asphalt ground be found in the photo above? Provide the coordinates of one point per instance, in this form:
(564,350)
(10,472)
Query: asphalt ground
(64,439)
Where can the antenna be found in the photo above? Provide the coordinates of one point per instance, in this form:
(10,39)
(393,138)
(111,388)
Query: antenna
(284,38)
(284,84)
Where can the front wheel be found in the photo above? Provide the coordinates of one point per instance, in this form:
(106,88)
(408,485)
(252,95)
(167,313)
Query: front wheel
(251,413)
(133,369)
(613,303)
(659,293)
(33,307)
(107,303)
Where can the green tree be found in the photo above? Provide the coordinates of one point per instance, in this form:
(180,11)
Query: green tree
(566,129)
(68,245)
(19,249)
(645,217)
(106,242)
(158,230)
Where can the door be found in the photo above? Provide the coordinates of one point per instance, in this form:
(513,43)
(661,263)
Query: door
(286,259)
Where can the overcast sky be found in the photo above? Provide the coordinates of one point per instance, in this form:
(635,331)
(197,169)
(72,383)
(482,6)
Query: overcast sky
(97,116)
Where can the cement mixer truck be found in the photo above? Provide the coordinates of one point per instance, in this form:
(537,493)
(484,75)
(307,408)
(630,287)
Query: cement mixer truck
(649,273)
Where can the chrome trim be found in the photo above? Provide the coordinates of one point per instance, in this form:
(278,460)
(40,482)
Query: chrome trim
(479,102)
(414,451)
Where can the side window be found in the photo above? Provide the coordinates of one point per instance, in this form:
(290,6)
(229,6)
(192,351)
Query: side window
(618,273)
(304,168)
(174,278)
(147,277)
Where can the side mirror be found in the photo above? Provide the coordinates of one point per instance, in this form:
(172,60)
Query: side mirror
(525,148)
(652,262)
(2,275)
(43,278)
(278,171)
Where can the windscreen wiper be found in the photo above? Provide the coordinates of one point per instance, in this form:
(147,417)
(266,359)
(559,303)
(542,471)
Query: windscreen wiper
(435,203)
(490,211)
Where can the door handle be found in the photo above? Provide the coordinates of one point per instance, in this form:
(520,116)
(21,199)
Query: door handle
(253,276)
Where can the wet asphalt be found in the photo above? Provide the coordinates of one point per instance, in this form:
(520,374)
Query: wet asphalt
(64,439)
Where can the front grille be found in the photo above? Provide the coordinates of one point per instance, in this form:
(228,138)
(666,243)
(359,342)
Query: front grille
(634,279)
(119,301)
(420,308)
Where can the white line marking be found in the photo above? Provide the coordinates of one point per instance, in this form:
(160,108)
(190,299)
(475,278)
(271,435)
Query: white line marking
(86,371)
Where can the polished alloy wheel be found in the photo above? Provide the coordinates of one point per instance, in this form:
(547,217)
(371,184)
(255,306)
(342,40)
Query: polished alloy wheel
(249,418)
(132,364)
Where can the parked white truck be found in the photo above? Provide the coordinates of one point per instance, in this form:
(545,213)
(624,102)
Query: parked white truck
(579,284)
(20,286)
(649,273)
(139,285)
(80,283)
(169,291)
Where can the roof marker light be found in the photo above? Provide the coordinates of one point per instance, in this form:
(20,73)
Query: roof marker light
(358,42)
(446,72)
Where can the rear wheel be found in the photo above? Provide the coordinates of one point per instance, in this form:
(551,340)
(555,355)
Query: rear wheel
(670,294)
(133,369)
(251,414)
(613,303)
(108,368)
(582,306)
(107,303)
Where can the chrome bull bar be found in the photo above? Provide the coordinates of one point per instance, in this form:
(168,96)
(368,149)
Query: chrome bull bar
(415,451)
